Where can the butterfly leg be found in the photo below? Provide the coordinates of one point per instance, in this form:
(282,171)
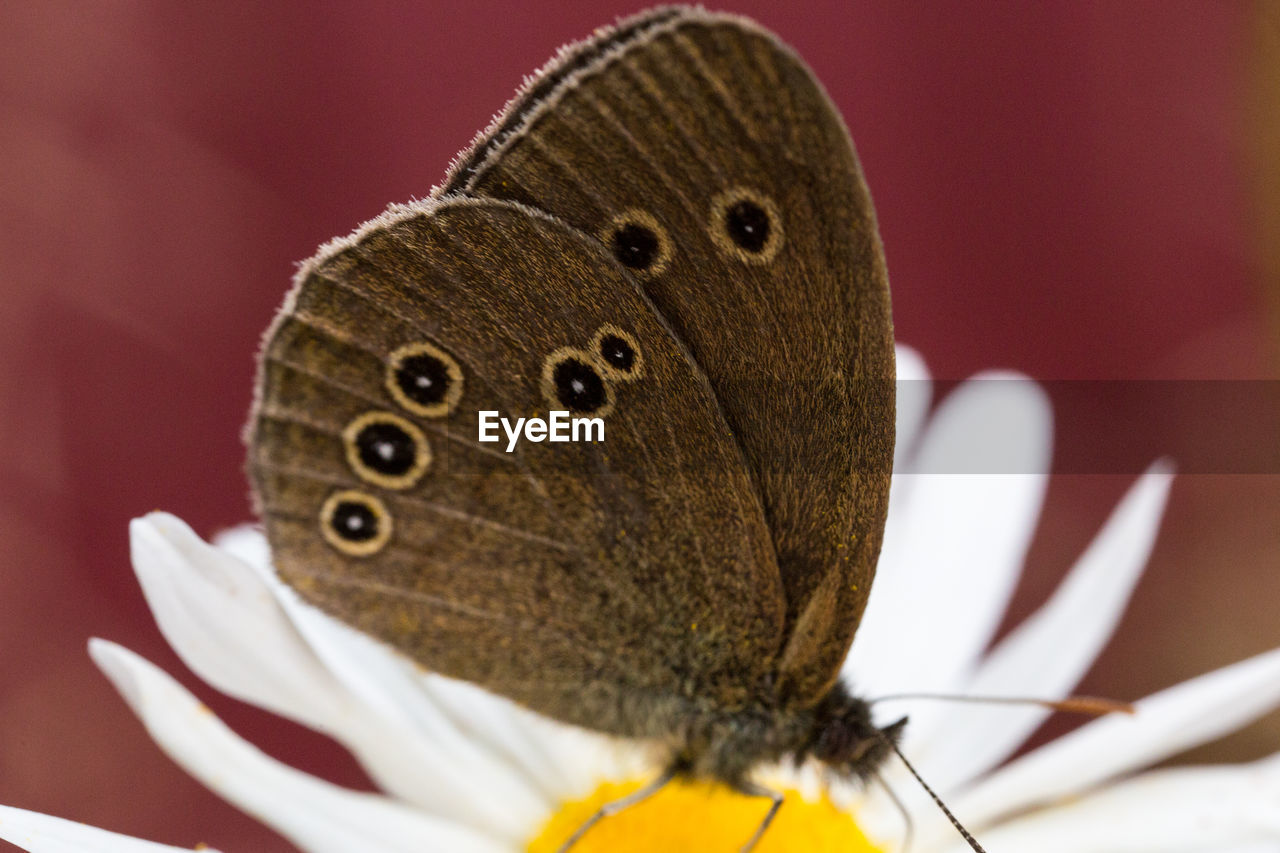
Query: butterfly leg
(909,831)
(753,790)
(618,805)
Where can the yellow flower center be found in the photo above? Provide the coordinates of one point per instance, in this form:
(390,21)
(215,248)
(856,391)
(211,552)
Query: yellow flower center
(700,817)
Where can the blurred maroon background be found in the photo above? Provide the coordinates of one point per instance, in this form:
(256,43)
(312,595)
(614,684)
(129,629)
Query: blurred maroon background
(1075,190)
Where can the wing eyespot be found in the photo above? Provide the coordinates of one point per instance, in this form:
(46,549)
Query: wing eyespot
(617,354)
(386,450)
(355,523)
(424,379)
(573,380)
(638,242)
(746,225)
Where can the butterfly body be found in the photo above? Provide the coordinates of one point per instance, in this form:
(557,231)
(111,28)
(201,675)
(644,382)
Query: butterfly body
(728,744)
(667,229)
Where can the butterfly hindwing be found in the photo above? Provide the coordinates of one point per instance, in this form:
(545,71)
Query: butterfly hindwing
(603,583)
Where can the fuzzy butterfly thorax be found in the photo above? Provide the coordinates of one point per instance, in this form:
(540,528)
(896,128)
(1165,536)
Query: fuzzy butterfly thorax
(668,230)
(838,731)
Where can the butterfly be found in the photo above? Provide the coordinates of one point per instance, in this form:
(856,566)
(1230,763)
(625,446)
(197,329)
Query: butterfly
(667,229)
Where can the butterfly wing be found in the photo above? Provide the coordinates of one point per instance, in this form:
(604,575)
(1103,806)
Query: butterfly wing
(706,157)
(607,583)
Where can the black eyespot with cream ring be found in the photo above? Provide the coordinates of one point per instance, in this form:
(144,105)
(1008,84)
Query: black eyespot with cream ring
(617,353)
(746,225)
(572,379)
(355,523)
(639,242)
(635,246)
(424,379)
(386,450)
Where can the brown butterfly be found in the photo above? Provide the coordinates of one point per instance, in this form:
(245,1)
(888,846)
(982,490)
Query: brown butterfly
(668,229)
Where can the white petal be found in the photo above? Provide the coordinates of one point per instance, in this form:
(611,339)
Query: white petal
(314,814)
(225,620)
(566,762)
(1168,722)
(247,543)
(1052,649)
(953,550)
(1183,810)
(216,613)
(914,393)
(41,833)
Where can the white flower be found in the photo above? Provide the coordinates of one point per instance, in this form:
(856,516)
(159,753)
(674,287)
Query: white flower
(466,772)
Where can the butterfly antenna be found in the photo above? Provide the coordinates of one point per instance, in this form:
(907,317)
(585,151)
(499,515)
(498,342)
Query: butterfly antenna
(973,842)
(909,831)
(1091,705)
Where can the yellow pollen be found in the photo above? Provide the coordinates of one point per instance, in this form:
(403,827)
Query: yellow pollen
(701,817)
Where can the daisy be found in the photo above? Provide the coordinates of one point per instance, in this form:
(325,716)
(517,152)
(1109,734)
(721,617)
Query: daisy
(463,771)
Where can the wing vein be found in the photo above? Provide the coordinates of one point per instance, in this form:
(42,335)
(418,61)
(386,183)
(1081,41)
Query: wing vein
(416,500)
(576,644)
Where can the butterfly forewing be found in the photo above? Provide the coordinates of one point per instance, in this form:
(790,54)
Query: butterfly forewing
(707,159)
